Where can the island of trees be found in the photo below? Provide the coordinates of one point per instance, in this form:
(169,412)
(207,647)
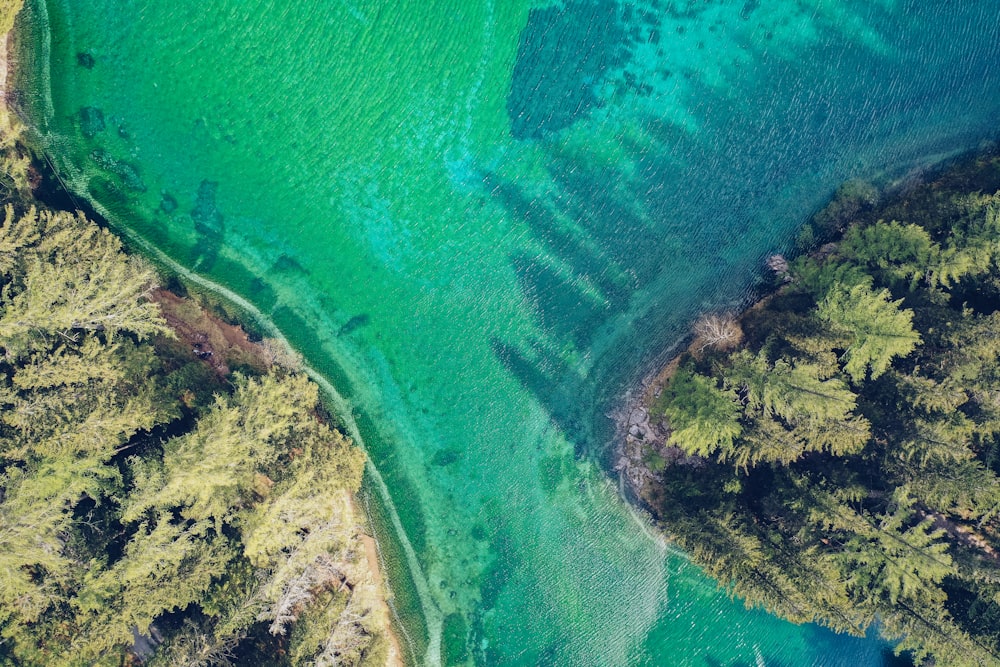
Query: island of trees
(160,502)
(832,453)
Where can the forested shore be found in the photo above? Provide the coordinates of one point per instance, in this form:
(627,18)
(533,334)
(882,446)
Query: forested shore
(170,493)
(831,454)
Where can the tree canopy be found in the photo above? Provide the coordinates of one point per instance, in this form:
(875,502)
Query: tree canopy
(876,328)
(145,500)
(842,464)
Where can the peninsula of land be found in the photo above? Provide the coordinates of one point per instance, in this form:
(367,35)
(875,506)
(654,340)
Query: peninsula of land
(832,453)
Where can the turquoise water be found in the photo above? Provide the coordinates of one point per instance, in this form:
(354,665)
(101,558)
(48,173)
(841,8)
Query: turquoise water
(480,221)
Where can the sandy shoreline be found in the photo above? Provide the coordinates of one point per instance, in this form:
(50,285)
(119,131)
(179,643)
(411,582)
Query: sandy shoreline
(395,657)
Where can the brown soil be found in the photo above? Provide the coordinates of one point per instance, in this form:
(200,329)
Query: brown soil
(217,343)
(963,534)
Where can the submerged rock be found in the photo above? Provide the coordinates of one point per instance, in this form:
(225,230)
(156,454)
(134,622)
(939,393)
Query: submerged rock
(85,60)
(354,324)
(168,203)
(748,8)
(209,224)
(126,171)
(206,215)
(91,121)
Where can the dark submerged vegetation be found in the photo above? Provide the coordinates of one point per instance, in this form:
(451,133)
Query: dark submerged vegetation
(841,465)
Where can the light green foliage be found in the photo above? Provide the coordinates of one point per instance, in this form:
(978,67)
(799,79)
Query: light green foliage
(73,365)
(931,637)
(75,396)
(245,517)
(165,568)
(748,373)
(792,410)
(930,396)
(8,10)
(223,473)
(902,253)
(946,438)
(894,556)
(863,484)
(769,441)
(84,400)
(879,330)
(75,278)
(951,265)
(704,419)
(210,472)
(818,276)
(793,392)
(16,236)
(964,488)
(336,635)
(981,214)
(905,254)
(840,437)
(33,517)
(293,508)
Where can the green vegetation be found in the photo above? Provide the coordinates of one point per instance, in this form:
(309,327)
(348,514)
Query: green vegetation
(153,508)
(8,10)
(841,465)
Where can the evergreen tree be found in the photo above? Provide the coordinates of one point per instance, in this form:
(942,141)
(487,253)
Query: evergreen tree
(704,418)
(891,555)
(899,253)
(243,518)
(862,482)
(76,279)
(879,330)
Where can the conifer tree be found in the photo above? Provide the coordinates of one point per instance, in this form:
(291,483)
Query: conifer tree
(244,518)
(862,484)
(77,278)
(878,329)
(894,556)
(704,418)
(900,253)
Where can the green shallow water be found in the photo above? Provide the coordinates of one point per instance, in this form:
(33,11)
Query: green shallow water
(479,221)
